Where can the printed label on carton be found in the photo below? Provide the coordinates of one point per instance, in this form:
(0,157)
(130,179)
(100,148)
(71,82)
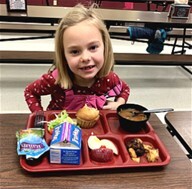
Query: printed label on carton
(65,147)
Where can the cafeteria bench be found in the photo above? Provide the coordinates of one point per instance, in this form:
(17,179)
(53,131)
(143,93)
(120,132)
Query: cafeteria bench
(38,31)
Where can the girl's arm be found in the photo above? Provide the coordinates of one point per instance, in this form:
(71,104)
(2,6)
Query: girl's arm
(125,92)
(36,89)
(122,96)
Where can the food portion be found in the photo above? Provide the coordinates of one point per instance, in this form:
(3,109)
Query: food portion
(109,144)
(132,114)
(101,150)
(95,143)
(137,145)
(152,154)
(137,149)
(60,118)
(87,117)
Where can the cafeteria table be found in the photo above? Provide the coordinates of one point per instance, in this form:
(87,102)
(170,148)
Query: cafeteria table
(52,15)
(179,123)
(176,174)
(163,3)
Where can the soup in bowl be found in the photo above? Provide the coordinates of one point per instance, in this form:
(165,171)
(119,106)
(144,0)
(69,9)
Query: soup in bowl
(130,117)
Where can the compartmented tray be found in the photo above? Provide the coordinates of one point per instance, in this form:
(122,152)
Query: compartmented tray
(107,127)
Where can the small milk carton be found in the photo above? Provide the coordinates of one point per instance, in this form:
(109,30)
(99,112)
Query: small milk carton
(65,147)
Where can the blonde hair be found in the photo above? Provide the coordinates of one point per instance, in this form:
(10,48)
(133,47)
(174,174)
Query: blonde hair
(78,14)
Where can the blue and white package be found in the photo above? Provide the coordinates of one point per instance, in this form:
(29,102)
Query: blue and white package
(65,147)
(30,142)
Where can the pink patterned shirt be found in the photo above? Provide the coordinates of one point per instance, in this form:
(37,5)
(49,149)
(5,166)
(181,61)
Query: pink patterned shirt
(45,85)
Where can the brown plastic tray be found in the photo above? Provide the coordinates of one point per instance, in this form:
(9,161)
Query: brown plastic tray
(107,127)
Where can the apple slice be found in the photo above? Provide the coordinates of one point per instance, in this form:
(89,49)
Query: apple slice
(94,142)
(109,144)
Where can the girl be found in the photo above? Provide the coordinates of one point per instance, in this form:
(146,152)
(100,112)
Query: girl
(82,70)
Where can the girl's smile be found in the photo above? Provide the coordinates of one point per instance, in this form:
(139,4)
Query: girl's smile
(87,68)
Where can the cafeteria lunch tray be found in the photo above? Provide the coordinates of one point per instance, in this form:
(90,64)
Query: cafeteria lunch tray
(107,127)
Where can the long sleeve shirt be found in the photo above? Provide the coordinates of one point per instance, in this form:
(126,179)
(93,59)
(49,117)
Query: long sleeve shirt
(45,85)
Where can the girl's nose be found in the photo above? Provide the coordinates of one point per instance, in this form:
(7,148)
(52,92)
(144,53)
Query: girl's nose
(85,57)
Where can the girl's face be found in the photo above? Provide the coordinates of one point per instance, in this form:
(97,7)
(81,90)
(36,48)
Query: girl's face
(84,52)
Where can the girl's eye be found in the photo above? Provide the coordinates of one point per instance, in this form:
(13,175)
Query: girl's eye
(93,47)
(74,52)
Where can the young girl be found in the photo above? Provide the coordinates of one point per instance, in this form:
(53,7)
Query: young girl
(82,70)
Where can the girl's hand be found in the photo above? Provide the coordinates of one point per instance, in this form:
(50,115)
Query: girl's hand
(113,105)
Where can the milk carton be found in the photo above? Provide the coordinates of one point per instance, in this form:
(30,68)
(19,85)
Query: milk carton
(65,147)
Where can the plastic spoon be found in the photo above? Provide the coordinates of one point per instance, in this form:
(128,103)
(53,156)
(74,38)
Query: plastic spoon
(153,111)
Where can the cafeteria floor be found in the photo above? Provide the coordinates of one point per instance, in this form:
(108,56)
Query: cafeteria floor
(151,86)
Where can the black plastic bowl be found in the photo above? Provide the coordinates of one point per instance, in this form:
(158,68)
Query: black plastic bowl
(130,125)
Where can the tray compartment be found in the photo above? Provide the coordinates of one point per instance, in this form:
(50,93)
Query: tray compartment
(31,120)
(117,159)
(99,128)
(149,140)
(115,128)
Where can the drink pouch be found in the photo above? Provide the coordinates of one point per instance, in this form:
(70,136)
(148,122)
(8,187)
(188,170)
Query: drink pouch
(30,142)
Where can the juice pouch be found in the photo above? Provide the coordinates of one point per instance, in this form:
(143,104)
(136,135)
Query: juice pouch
(30,142)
